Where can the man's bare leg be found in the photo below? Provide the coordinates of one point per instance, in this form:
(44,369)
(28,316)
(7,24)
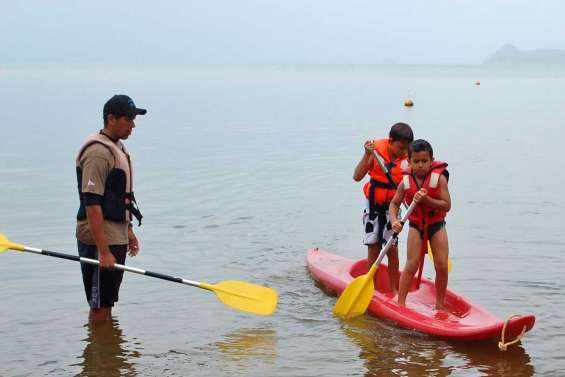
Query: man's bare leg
(102,314)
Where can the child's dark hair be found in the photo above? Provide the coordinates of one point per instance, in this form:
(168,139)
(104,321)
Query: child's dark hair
(401,132)
(420,145)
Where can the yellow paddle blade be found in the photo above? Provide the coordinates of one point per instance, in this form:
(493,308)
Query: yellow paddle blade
(431,255)
(245,296)
(356,297)
(6,244)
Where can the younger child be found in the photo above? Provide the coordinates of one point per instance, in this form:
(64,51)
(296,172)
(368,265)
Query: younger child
(424,182)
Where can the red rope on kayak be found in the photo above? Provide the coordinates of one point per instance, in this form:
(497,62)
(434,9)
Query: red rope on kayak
(504,346)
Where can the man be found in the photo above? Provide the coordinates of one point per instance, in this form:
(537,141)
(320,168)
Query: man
(105,184)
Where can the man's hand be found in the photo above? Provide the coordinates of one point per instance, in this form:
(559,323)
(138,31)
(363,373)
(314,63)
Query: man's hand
(106,259)
(133,243)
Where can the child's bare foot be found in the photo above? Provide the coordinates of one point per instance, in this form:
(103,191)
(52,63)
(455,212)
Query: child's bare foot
(441,312)
(441,315)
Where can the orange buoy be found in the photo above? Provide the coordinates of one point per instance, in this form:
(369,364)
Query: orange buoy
(408,103)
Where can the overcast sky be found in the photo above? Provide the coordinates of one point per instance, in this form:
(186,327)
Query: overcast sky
(273,32)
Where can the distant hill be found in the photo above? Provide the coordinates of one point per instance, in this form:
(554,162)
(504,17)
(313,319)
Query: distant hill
(510,54)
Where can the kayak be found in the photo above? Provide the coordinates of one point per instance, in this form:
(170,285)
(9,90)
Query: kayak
(462,319)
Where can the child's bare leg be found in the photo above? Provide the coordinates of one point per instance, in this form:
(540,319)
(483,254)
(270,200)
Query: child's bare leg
(372,254)
(440,249)
(411,266)
(393,268)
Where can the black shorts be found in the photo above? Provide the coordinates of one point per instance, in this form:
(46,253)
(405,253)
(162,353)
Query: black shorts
(432,228)
(100,285)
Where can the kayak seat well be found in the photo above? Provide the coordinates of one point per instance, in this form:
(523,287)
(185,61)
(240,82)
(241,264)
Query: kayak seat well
(381,276)
(454,303)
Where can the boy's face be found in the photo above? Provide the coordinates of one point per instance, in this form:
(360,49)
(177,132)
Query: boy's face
(421,163)
(399,148)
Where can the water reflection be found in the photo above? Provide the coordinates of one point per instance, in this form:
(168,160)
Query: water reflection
(106,353)
(486,357)
(247,347)
(388,350)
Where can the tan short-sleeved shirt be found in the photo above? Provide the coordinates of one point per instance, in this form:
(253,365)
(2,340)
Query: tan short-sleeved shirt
(96,162)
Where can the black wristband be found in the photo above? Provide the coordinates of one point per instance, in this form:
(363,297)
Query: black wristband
(90,199)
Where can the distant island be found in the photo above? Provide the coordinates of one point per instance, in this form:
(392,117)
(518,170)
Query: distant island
(510,54)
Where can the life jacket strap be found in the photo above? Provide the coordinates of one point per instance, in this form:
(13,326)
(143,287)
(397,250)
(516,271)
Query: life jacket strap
(406,182)
(133,208)
(376,208)
(384,185)
(434,180)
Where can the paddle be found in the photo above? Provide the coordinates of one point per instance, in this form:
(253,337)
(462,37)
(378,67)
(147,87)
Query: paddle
(356,297)
(239,295)
(385,170)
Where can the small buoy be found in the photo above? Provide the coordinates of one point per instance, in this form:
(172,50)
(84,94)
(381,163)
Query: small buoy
(408,103)
(477,83)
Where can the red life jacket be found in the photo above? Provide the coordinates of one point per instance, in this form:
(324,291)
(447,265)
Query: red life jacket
(383,190)
(423,215)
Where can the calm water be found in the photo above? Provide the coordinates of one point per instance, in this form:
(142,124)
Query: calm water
(239,171)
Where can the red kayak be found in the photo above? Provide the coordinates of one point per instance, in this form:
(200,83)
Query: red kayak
(463,320)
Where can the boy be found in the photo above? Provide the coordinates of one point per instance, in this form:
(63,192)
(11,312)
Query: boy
(380,190)
(425,182)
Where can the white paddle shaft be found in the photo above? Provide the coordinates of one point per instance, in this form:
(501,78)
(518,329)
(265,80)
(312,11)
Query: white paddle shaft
(395,235)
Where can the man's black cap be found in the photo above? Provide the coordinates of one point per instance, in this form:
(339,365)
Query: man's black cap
(122,105)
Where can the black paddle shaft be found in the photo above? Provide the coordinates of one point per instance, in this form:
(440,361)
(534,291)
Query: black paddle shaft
(118,266)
